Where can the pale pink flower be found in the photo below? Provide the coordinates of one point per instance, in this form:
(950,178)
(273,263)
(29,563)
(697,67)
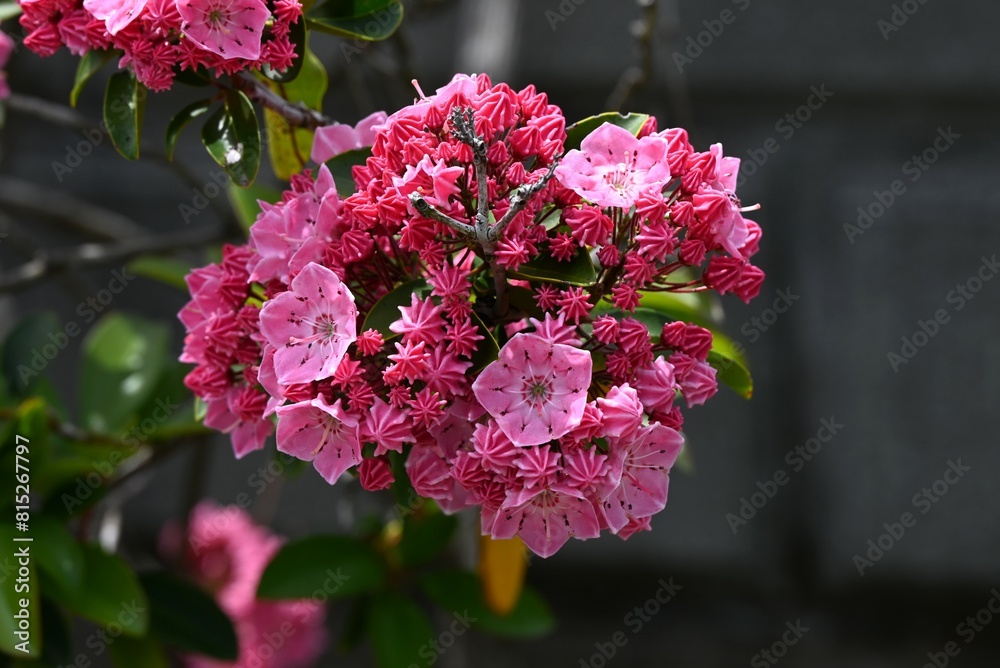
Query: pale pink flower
(230,28)
(546,519)
(116,14)
(310,326)
(612,167)
(323,434)
(647,460)
(332,140)
(536,390)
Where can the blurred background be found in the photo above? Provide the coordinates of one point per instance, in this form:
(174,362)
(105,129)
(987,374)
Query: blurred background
(868,132)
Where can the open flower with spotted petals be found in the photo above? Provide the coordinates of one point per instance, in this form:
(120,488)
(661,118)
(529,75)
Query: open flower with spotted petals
(310,326)
(317,432)
(116,14)
(230,28)
(546,519)
(612,167)
(536,390)
(642,491)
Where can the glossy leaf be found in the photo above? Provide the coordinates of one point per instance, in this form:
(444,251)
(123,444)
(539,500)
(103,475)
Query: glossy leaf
(386,310)
(398,629)
(9,10)
(123,357)
(425,537)
(168,271)
(124,101)
(695,307)
(731,366)
(110,593)
(57,553)
(368,20)
(288,147)
(579,270)
(459,592)
(90,64)
(28,350)
(232,137)
(185,617)
(341,168)
(245,201)
(181,120)
(338,566)
(576,133)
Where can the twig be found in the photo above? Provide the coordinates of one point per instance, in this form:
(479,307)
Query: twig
(296,114)
(94,254)
(634,78)
(71,211)
(427,210)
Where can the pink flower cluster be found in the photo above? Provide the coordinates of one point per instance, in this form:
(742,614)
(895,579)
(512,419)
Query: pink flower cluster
(159,38)
(6,48)
(412,320)
(225,552)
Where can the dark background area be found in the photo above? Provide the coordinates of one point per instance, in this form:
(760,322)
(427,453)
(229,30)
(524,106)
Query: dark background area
(824,358)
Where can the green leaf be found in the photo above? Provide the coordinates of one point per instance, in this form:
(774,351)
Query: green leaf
(57,553)
(694,307)
(28,350)
(181,120)
(110,593)
(398,629)
(89,65)
(386,310)
(289,147)
(728,360)
(57,644)
(341,168)
(297,35)
(459,592)
(576,133)
(123,357)
(579,270)
(425,537)
(144,652)
(185,617)
(9,10)
(232,138)
(337,566)
(163,269)
(356,625)
(524,300)
(245,201)
(10,600)
(124,101)
(368,20)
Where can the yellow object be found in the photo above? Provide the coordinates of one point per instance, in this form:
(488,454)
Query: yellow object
(502,567)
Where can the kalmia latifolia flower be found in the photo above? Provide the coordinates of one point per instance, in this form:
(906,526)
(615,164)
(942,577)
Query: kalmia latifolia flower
(225,552)
(426,320)
(159,38)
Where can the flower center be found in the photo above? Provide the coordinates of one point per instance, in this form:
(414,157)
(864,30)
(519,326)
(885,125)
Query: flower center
(621,178)
(537,391)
